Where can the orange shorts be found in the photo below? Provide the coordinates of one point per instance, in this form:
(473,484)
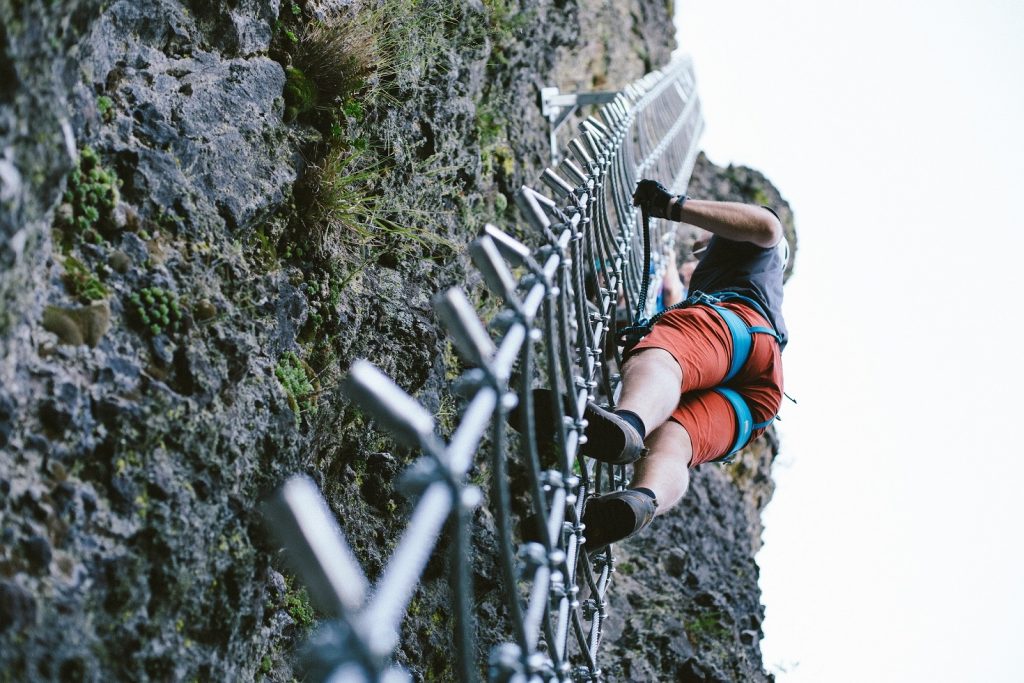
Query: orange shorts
(699,340)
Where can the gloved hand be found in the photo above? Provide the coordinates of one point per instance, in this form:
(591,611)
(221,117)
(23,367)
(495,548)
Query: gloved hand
(659,201)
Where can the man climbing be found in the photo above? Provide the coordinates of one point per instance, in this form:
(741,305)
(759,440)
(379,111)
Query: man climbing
(707,378)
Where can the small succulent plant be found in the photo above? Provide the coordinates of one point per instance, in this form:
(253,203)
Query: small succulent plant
(157,309)
(92,194)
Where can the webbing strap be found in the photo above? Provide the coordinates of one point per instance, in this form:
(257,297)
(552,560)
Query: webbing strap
(742,341)
(744,420)
(745,425)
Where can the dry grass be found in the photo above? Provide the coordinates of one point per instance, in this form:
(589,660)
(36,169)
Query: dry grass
(349,215)
(337,56)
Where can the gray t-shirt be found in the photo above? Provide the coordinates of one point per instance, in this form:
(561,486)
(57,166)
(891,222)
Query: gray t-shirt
(746,269)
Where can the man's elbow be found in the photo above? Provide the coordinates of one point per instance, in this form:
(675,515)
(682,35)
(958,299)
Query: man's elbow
(769,231)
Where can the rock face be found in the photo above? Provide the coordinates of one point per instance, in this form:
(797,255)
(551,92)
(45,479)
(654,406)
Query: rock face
(168,356)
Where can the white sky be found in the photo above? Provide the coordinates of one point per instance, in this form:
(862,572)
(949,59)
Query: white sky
(894,547)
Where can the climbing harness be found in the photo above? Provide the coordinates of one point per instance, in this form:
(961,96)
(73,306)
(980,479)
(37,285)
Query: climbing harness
(742,344)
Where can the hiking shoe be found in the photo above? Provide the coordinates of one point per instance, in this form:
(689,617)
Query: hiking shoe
(614,516)
(610,439)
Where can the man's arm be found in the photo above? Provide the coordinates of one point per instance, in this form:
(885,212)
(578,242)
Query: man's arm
(732,220)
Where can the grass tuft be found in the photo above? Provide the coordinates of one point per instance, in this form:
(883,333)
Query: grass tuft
(331,62)
(347,213)
(82,282)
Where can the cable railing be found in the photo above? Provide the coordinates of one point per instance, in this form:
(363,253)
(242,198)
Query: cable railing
(556,330)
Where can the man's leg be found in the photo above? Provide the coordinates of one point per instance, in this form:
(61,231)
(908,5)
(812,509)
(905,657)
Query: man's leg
(651,382)
(666,468)
(663,473)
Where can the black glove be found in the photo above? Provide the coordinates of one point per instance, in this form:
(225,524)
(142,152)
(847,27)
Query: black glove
(659,202)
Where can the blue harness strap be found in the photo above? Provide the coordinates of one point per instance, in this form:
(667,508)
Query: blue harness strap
(742,340)
(745,425)
(741,333)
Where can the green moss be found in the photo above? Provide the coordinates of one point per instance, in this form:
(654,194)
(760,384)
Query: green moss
(353,109)
(92,194)
(105,106)
(707,626)
(496,154)
(296,602)
(300,93)
(294,251)
(322,288)
(359,472)
(265,249)
(157,310)
(500,203)
(142,504)
(297,379)
(168,220)
(500,26)
(490,125)
(759,197)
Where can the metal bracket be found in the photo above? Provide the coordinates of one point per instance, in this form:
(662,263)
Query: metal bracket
(557,107)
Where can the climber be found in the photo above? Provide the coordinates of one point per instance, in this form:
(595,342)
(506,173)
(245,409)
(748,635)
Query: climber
(707,377)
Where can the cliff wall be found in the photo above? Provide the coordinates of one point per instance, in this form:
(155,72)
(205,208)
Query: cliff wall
(207,210)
